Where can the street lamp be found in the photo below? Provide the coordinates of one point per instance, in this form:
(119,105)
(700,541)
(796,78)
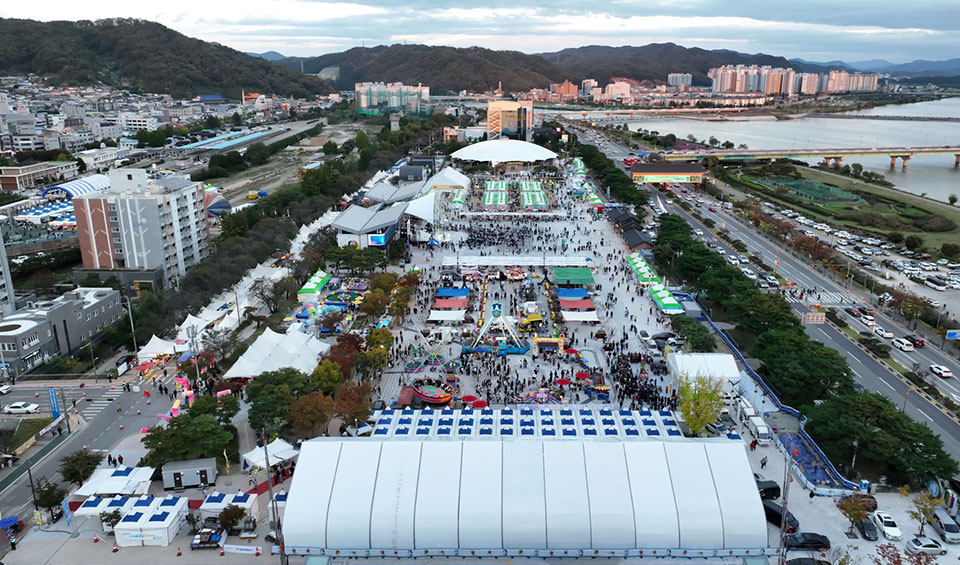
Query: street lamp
(133,330)
(93,360)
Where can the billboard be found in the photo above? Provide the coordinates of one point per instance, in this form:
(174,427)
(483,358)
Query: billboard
(378,240)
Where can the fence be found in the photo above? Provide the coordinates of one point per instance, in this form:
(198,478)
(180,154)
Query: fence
(789,410)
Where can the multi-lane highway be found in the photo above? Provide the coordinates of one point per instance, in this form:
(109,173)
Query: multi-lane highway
(868,371)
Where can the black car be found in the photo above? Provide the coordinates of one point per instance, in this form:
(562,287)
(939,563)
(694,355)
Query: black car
(917,341)
(769,490)
(853,312)
(806,540)
(868,530)
(774,514)
(807,561)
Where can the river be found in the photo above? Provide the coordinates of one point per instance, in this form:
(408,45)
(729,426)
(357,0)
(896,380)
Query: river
(934,175)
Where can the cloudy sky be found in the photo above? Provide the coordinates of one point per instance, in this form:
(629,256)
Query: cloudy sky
(813,29)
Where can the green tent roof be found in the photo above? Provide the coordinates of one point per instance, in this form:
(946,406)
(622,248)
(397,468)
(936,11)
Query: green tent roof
(572,275)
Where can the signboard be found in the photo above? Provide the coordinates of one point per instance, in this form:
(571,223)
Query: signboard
(377,240)
(37,518)
(953,334)
(54,402)
(814,318)
(65,504)
(652,177)
(243,549)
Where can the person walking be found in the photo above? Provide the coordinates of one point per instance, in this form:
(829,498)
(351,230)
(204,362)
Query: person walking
(763,462)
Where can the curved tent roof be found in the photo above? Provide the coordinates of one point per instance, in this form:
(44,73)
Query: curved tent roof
(504,151)
(448,177)
(78,187)
(473,498)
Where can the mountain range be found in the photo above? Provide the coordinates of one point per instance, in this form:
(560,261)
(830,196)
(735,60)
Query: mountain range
(917,68)
(141,56)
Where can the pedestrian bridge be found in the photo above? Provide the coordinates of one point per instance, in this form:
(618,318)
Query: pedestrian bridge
(836,154)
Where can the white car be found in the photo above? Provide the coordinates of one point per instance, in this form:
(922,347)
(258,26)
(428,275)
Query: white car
(902,344)
(941,371)
(5,389)
(886,525)
(926,545)
(868,321)
(21,408)
(698,232)
(886,334)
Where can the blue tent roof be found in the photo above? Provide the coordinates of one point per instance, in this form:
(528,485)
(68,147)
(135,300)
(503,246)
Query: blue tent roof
(79,187)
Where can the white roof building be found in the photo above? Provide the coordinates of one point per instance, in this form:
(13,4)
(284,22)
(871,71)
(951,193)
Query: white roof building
(504,151)
(356,498)
(448,179)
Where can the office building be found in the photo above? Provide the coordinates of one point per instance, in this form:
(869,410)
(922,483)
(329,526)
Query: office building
(509,119)
(565,90)
(58,327)
(102,159)
(38,174)
(679,79)
(137,122)
(142,225)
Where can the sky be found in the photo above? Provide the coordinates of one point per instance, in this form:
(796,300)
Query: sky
(814,30)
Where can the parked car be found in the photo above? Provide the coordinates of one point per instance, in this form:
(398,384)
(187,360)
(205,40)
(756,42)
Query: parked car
(769,490)
(807,561)
(867,529)
(774,514)
(941,371)
(21,408)
(5,389)
(944,525)
(868,321)
(806,540)
(887,525)
(917,341)
(926,545)
(902,344)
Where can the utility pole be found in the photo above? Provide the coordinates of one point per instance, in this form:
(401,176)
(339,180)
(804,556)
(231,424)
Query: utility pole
(66,415)
(33,491)
(783,518)
(133,330)
(273,501)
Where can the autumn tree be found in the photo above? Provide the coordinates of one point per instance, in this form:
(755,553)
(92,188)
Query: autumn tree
(854,507)
(231,516)
(371,361)
(924,505)
(327,376)
(311,414)
(889,554)
(380,337)
(352,401)
(700,401)
(218,341)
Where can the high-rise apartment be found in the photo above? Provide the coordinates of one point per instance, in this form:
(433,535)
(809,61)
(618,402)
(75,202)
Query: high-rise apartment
(143,225)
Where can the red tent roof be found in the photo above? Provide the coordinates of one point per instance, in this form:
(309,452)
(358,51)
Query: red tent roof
(579,304)
(450,303)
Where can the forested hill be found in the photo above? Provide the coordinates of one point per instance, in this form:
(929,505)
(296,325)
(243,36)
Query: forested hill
(142,56)
(442,68)
(656,60)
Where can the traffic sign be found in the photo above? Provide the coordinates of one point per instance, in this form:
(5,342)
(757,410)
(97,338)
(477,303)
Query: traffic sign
(953,334)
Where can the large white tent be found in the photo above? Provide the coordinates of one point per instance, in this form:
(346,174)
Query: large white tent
(155,348)
(164,523)
(127,530)
(278,449)
(122,480)
(423,207)
(447,179)
(273,351)
(529,498)
(504,151)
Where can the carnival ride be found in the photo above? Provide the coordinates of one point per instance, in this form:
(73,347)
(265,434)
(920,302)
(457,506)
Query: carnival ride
(541,397)
(433,390)
(508,344)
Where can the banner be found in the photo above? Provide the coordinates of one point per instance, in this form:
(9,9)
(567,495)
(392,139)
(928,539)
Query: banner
(243,549)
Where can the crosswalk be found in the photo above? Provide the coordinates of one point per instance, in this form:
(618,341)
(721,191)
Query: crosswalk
(94,407)
(830,298)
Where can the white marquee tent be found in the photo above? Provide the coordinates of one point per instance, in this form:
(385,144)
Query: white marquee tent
(127,530)
(122,480)
(164,523)
(504,151)
(524,498)
(155,348)
(447,179)
(273,351)
(278,449)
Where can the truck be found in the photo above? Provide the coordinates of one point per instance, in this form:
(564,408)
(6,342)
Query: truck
(728,205)
(759,429)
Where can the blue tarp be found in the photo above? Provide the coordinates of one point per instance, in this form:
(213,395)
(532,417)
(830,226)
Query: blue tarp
(572,293)
(449,292)
(187,355)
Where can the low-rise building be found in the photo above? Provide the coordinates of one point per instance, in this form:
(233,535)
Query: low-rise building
(102,159)
(38,174)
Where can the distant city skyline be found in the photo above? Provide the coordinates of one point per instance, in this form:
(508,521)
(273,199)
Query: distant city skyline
(816,30)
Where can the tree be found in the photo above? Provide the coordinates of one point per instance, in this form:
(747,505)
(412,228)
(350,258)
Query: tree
(331,319)
(219,341)
(374,303)
(257,154)
(77,467)
(271,394)
(272,293)
(889,554)
(211,122)
(895,237)
(700,401)
(311,414)
(371,361)
(352,401)
(380,337)
(854,507)
(327,376)
(924,505)
(913,242)
(399,308)
(330,148)
(952,199)
(362,140)
(231,516)
(236,119)
(49,494)
(186,437)
(951,250)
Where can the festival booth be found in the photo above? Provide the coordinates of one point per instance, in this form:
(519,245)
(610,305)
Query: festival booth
(310,292)
(120,481)
(213,504)
(578,167)
(92,506)
(459,199)
(69,221)
(274,351)
(662,297)
(447,179)
(278,450)
(46,213)
(535,200)
(164,522)
(156,347)
(127,530)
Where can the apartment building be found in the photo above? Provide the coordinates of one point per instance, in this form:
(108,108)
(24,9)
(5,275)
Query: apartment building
(510,119)
(38,174)
(143,225)
(679,79)
(136,122)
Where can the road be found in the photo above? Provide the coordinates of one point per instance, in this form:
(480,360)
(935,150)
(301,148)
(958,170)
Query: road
(101,426)
(870,373)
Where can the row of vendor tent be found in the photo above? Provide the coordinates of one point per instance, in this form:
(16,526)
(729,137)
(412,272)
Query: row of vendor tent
(459,198)
(64,222)
(495,186)
(273,351)
(662,297)
(453,292)
(217,501)
(278,450)
(122,480)
(578,167)
(146,520)
(44,213)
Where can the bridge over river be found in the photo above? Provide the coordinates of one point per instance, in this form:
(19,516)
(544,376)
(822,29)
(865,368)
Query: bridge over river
(828,154)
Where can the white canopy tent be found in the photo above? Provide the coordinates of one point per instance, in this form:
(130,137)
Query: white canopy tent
(526,498)
(127,530)
(447,179)
(423,207)
(273,351)
(504,151)
(573,316)
(164,522)
(243,500)
(155,348)
(120,481)
(213,504)
(278,449)
(92,506)
(447,315)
